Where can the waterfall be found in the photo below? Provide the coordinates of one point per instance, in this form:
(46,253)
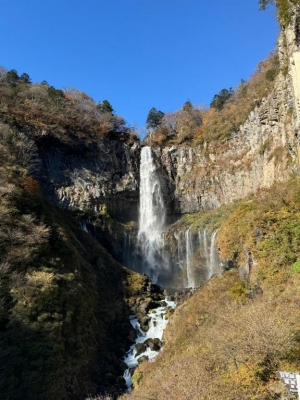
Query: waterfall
(213,255)
(83,226)
(181,248)
(197,256)
(205,250)
(208,265)
(189,258)
(152,216)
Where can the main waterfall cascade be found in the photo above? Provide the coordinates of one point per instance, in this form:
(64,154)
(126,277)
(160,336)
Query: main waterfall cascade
(152,217)
(196,258)
(194,262)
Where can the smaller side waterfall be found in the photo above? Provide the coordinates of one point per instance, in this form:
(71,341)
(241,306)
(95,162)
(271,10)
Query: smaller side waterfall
(198,257)
(83,225)
(214,260)
(189,259)
(181,248)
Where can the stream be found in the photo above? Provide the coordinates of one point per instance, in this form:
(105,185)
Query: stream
(150,342)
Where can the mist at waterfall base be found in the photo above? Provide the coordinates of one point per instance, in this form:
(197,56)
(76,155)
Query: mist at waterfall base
(196,258)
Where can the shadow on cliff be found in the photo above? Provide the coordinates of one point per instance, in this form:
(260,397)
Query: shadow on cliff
(67,325)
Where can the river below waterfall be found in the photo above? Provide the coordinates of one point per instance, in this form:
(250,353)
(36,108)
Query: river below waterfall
(147,344)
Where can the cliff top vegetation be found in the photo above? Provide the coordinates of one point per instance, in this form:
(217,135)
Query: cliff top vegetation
(228,110)
(284,9)
(40,109)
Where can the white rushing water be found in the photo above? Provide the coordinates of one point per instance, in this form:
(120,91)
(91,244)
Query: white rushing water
(84,226)
(157,325)
(189,259)
(152,216)
(214,260)
(203,241)
(198,256)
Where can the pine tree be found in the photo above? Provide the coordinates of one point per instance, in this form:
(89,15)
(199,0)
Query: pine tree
(154,118)
(105,107)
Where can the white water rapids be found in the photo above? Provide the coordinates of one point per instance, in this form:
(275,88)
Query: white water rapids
(157,325)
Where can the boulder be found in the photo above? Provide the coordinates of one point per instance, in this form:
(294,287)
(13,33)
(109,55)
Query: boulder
(154,344)
(148,304)
(140,348)
(144,322)
(142,359)
(121,383)
(169,312)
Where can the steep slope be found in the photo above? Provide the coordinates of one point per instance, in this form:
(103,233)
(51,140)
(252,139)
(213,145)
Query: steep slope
(64,301)
(88,157)
(261,151)
(230,338)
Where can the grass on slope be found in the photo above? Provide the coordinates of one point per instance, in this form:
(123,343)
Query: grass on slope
(228,340)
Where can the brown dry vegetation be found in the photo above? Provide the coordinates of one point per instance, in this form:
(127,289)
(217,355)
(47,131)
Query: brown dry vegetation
(220,344)
(217,125)
(40,109)
(63,316)
(228,340)
(220,124)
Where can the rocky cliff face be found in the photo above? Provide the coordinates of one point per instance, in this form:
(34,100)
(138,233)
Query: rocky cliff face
(105,173)
(264,150)
(92,176)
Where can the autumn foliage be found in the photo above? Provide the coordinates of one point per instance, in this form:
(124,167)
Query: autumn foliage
(196,125)
(66,114)
(228,340)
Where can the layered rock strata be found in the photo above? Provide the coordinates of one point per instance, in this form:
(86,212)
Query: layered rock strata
(92,176)
(265,148)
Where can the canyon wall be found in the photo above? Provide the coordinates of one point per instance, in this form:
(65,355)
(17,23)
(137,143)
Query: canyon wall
(91,177)
(265,148)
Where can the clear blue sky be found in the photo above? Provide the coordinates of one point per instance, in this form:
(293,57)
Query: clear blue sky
(137,53)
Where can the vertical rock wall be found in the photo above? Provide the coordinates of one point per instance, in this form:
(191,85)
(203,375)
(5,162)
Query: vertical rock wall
(265,149)
(89,177)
